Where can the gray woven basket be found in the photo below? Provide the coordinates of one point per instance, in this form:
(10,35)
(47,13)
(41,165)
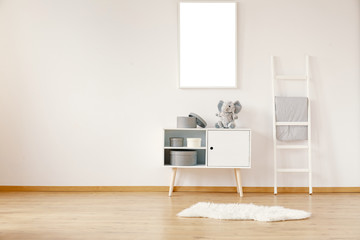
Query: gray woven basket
(183,158)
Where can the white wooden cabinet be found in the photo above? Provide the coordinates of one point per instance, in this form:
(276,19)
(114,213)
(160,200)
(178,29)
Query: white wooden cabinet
(220,148)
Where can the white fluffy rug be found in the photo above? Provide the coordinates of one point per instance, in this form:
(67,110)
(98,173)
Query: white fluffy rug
(239,211)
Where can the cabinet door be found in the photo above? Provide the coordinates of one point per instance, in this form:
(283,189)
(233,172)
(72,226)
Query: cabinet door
(229,148)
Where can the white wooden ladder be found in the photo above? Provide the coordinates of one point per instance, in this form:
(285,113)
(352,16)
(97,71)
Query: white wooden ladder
(277,147)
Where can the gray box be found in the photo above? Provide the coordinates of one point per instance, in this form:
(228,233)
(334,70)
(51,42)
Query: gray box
(183,158)
(176,142)
(186,122)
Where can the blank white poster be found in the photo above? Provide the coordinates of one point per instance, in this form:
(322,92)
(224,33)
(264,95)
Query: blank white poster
(207,45)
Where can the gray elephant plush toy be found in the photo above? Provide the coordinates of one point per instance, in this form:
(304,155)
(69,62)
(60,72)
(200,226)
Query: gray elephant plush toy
(227,114)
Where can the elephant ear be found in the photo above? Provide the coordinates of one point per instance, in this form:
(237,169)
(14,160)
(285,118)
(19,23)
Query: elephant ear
(220,104)
(237,107)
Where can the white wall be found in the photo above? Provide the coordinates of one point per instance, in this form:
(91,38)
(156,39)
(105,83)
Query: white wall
(87,86)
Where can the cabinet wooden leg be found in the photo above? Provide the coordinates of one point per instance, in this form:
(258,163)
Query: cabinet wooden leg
(237,184)
(238,177)
(172,181)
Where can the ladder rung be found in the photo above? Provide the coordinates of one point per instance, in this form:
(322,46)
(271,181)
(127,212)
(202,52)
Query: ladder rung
(291,77)
(293,170)
(292,146)
(292,123)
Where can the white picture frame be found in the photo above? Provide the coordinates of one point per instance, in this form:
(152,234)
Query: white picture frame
(207,44)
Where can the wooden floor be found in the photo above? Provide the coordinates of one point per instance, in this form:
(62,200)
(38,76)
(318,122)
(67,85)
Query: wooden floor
(120,215)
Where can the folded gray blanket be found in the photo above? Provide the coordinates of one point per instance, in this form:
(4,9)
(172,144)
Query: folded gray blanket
(291,109)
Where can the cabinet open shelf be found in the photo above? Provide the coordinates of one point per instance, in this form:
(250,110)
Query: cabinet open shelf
(193,166)
(185,148)
(201,155)
(185,133)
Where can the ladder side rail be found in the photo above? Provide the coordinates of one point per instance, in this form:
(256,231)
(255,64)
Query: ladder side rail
(309,121)
(273,78)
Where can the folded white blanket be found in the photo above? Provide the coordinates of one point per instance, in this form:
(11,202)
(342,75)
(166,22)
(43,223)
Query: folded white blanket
(291,109)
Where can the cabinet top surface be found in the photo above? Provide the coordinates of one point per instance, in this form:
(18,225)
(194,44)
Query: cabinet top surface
(210,129)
